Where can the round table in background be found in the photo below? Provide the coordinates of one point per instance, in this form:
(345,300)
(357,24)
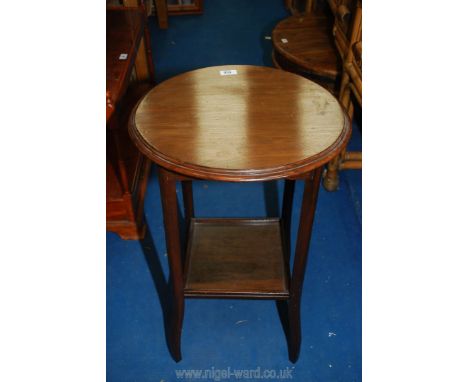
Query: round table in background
(239,124)
(304,44)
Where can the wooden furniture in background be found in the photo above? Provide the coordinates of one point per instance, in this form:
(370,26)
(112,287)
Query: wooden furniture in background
(162,13)
(303,44)
(348,36)
(129,75)
(160,9)
(247,124)
(184,7)
(303,6)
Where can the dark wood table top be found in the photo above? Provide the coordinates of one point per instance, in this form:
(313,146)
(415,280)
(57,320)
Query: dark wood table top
(258,124)
(124,30)
(307,41)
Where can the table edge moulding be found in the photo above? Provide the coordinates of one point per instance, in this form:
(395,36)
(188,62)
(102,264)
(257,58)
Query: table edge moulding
(292,169)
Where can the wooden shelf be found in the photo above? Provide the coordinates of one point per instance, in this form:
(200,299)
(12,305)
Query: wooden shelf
(236,258)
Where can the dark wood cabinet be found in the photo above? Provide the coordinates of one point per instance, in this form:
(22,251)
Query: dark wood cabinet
(129,75)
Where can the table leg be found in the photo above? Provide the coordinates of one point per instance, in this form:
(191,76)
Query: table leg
(167,184)
(309,202)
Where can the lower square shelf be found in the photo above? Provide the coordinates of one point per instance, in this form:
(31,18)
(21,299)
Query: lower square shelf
(237,258)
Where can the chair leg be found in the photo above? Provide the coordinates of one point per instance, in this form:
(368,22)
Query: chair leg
(332,177)
(171,224)
(309,202)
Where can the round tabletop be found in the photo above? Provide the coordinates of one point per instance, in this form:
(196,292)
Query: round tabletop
(307,41)
(239,123)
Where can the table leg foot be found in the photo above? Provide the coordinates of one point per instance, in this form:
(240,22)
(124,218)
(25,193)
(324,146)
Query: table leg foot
(294,340)
(289,314)
(176,334)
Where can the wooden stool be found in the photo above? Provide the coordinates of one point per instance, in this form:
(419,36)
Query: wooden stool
(304,44)
(238,124)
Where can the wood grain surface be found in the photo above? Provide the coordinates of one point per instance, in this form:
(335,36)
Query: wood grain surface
(236,258)
(259,124)
(310,45)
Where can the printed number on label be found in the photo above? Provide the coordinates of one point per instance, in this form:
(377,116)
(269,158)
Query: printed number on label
(231,72)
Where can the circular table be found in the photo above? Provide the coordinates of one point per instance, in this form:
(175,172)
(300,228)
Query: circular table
(304,44)
(238,123)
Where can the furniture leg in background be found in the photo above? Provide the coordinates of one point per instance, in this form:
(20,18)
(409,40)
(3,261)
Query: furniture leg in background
(348,40)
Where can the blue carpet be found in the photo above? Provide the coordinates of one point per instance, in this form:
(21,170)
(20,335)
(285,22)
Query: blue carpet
(234,333)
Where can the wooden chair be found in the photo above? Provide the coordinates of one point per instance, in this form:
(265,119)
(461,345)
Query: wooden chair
(348,38)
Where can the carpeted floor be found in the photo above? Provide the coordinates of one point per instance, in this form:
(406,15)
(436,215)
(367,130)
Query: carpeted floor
(218,334)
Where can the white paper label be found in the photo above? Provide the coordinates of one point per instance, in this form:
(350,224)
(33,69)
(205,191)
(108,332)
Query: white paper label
(123,56)
(231,72)
(267,37)
(284,40)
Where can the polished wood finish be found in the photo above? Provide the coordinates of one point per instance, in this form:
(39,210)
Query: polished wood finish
(303,44)
(236,258)
(258,125)
(167,185)
(348,37)
(309,203)
(126,81)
